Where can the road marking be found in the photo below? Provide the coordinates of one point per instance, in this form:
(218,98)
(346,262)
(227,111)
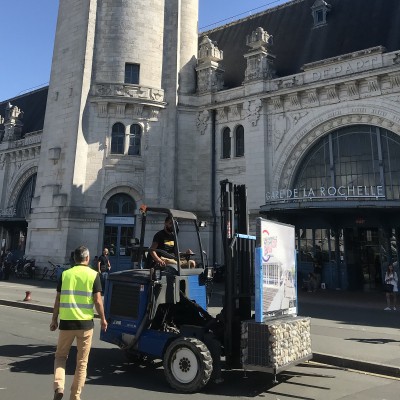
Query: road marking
(394,378)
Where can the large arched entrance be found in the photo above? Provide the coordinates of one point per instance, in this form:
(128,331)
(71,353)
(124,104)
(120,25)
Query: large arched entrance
(119,230)
(344,202)
(14,219)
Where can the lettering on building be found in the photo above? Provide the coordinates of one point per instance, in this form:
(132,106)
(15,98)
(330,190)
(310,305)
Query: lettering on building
(343,192)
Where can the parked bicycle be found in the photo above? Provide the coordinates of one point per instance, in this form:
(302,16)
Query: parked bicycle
(51,272)
(24,268)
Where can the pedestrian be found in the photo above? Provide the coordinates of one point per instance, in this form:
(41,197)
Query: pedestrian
(317,271)
(391,279)
(78,289)
(7,264)
(311,283)
(103,266)
(2,258)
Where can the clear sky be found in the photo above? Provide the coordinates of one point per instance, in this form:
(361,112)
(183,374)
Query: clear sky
(27,30)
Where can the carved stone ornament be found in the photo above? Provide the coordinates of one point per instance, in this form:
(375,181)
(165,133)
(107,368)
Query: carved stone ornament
(209,80)
(222,115)
(102,109)
(13,122)
(395,80)
(277,103)
(129,91)
(259,61)
(312,97)
(253,111)
(258,38)
(202,121)
(373,85)
(352,89)
(235,111)
(209,51)
(209,72)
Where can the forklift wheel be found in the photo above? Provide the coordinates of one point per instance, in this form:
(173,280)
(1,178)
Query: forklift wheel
(187,365)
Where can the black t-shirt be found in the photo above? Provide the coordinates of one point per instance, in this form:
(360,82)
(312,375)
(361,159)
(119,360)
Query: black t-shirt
(103,260)
(67,325)
(165,241)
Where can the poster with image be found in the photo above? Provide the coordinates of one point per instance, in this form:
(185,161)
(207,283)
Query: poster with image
(275,270)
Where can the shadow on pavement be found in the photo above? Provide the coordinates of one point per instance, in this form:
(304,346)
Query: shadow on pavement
(109,367)
(374,341)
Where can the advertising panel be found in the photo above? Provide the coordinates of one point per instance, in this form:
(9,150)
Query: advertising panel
(275,270)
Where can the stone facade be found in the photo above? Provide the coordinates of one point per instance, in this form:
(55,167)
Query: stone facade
(179,104)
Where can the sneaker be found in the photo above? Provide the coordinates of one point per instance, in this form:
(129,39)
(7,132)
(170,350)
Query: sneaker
(387,309)
(394,308)
(218,380)
(58,394)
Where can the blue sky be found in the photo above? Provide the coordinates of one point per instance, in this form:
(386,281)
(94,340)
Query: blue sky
(27,30)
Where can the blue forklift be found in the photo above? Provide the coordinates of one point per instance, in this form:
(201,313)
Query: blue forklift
(160,313)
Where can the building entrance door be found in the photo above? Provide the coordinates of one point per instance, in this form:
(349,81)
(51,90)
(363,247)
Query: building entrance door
(363,252)
(118,241)
(119,230)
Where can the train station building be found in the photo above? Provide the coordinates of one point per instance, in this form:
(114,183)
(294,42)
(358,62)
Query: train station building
(300,102)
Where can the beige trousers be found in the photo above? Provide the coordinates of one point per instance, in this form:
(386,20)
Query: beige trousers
(83,344)
(184,263)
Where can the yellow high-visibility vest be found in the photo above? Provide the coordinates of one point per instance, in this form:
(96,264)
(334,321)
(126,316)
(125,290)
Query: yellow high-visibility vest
(76,299)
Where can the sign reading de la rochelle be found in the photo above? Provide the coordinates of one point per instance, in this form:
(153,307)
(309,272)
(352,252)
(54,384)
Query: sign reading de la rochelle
(344,192)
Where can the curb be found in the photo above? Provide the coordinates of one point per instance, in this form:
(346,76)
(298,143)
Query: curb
(30,306)
(358,365)
(26,305)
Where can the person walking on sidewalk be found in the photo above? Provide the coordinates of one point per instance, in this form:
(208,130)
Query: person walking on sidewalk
(78,289)
(391,279)
(103,266)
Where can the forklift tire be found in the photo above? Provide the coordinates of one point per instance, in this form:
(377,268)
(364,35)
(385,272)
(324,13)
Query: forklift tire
(187,365)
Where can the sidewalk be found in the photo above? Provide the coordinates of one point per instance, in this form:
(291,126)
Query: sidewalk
(349,329)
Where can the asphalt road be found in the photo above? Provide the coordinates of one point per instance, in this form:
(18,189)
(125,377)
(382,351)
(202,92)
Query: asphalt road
(26,367)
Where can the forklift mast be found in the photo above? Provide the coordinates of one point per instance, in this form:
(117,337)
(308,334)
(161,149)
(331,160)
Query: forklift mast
(238,249)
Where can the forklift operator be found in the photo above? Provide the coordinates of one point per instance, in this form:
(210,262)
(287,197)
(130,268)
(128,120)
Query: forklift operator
(165,240)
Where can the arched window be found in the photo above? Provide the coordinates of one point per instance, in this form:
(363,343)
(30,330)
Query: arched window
(23,207)
(135,139)
(226,143)
(120,204)
(239,141)
(356,156)
(117,138)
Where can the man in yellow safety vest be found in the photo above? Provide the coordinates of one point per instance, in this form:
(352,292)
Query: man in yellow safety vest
(78,289)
